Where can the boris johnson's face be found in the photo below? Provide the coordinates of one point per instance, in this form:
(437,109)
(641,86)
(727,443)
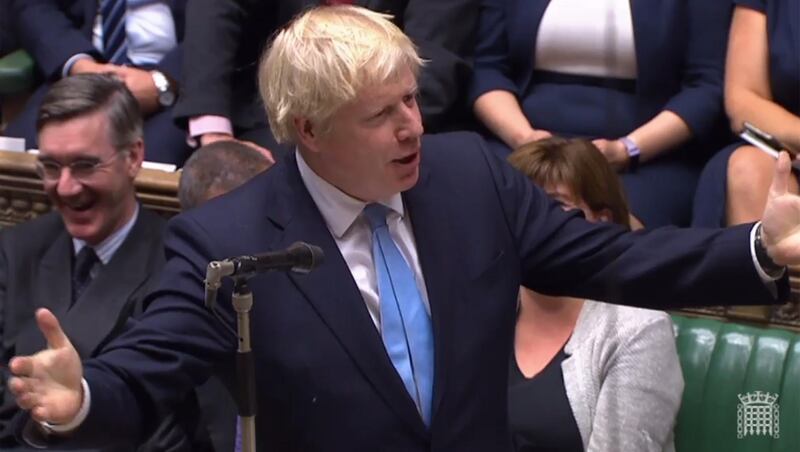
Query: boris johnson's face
(87,179)
(371,148)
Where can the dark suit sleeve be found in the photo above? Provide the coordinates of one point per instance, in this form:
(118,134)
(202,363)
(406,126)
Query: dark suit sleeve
(172,63)
(48,35)
(492,60)
(164,354)
(213,34)
(562,254)
(444,32)
(699,101)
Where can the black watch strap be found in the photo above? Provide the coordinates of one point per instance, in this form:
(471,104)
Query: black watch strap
(767,264)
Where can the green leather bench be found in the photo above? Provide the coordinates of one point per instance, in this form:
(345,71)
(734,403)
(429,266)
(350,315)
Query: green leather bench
(729,368)
(16,73)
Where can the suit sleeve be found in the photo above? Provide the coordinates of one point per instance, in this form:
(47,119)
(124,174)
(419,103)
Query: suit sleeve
(640,391)
(49,35)
(444,32)
(561,254)
(165,353)
(699,101)
(492,59)
(214,29)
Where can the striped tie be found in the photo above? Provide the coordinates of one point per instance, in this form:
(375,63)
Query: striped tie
(112,13)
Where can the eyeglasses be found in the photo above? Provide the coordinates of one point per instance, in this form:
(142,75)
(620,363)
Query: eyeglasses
(81,169)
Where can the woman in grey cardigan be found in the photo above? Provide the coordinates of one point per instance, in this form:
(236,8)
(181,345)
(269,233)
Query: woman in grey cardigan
(587,375)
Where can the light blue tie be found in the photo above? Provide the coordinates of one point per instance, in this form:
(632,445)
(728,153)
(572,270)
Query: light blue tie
(405,324)
(112,15)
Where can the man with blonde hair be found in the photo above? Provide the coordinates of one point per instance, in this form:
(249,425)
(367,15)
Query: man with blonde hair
(400,340)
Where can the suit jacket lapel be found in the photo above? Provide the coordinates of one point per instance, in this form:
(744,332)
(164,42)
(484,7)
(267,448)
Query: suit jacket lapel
(104,304)
(53,291)
(435,247)
(334,294)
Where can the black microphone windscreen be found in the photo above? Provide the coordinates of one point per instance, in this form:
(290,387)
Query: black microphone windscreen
(308,256)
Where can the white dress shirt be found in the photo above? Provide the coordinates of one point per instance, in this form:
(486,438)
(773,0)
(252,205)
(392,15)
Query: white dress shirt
(150,31)
(351,231)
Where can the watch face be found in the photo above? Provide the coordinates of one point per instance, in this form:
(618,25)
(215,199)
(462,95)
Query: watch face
(166,98)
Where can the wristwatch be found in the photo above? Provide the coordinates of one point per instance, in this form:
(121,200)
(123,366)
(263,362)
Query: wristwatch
(633,153)
(166,96)
(767,264)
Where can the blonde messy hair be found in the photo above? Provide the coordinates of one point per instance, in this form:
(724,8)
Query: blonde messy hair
(322,59)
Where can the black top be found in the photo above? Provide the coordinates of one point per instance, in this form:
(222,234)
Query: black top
(539,415)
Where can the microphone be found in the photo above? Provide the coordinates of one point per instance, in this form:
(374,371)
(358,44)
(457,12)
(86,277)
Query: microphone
(299,257)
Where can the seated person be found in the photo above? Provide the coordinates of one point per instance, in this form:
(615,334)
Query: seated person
(94,258)
(7,32)
(213,170)
(139,41)
(762,87)
(220,101)
(216,169)
(609,375)
(643,80)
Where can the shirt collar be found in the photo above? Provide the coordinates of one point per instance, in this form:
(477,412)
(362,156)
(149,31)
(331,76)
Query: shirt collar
(338,208)
(106,249)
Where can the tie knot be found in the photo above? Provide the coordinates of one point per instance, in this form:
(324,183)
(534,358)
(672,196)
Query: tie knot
(376,214)
(84,261)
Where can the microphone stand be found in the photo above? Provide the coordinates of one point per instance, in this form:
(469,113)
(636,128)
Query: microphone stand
(242,300)
(300,257)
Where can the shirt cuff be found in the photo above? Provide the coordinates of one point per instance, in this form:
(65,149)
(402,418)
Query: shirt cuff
(78,419)
(71,62)
(201,125)
(766,278)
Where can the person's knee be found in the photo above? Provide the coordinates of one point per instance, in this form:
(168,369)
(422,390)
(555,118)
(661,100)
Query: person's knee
(749,168)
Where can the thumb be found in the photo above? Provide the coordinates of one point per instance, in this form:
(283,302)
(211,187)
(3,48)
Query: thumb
(780,180)
(51,329)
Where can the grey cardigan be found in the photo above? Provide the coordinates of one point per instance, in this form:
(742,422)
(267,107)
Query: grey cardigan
(623,378)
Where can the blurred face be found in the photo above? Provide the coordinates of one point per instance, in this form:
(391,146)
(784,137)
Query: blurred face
(569,201)
(372,148)
(94,191)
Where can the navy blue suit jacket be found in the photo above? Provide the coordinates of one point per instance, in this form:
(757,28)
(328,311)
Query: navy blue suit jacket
(325,381)
(680,49)
(54,30)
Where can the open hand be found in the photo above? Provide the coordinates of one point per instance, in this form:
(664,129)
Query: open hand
(49,382)
(781,220)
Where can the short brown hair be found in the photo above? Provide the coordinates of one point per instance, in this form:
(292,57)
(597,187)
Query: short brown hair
(578,164)
(84,94)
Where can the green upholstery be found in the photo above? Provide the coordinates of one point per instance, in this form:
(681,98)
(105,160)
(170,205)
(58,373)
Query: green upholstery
(721,360)
(16,73)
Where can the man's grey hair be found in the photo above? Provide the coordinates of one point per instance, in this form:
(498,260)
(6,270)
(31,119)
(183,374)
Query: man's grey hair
(217,168)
